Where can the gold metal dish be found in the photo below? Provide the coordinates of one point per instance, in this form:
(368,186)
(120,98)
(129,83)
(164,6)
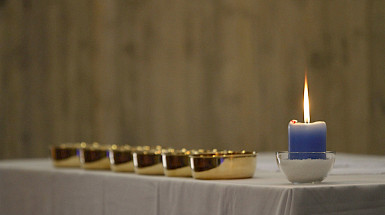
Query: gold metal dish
(176,163)
(64,155)
(121,158)
(94,156)
(223,165)
(148,160)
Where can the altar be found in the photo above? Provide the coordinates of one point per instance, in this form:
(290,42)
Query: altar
(356,185)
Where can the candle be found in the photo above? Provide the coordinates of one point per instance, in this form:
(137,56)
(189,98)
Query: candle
(307,137)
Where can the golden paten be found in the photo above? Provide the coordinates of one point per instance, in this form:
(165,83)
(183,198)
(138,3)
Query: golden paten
(64,155)
(121,158)
(176,163)
(223,165)
(148,160)
(94,156)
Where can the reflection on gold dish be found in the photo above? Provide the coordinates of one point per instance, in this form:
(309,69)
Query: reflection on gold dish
(64,155)
(72,161)
(103,163)
(176,163)
(94,156)
(124,167)
(180,172)
(156,169)
(121,159)
(148,160)
(223,165)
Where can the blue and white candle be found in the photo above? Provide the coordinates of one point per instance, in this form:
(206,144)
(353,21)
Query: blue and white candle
(307,137)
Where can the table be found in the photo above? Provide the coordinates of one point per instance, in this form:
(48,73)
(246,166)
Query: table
(33,186)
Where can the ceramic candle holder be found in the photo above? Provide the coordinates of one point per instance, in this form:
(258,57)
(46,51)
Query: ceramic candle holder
(223,165)
(148,160)
(121,159)
(94,156)
(298,170)
(64,155)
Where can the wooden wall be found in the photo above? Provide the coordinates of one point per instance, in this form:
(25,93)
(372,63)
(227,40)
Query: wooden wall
(195,74)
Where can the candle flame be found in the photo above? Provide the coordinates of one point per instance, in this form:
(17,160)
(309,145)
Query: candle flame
(306,103)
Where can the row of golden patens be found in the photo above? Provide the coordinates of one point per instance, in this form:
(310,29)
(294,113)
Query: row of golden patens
(146,160)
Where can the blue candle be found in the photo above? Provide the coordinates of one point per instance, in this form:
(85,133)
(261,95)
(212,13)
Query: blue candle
(307,137)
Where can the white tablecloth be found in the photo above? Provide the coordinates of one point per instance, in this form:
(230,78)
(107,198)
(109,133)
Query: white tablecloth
(33,186)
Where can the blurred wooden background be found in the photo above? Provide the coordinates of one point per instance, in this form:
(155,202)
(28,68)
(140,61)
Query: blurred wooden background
(195,74)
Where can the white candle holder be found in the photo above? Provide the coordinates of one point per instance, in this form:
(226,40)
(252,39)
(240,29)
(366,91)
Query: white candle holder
(299,170)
